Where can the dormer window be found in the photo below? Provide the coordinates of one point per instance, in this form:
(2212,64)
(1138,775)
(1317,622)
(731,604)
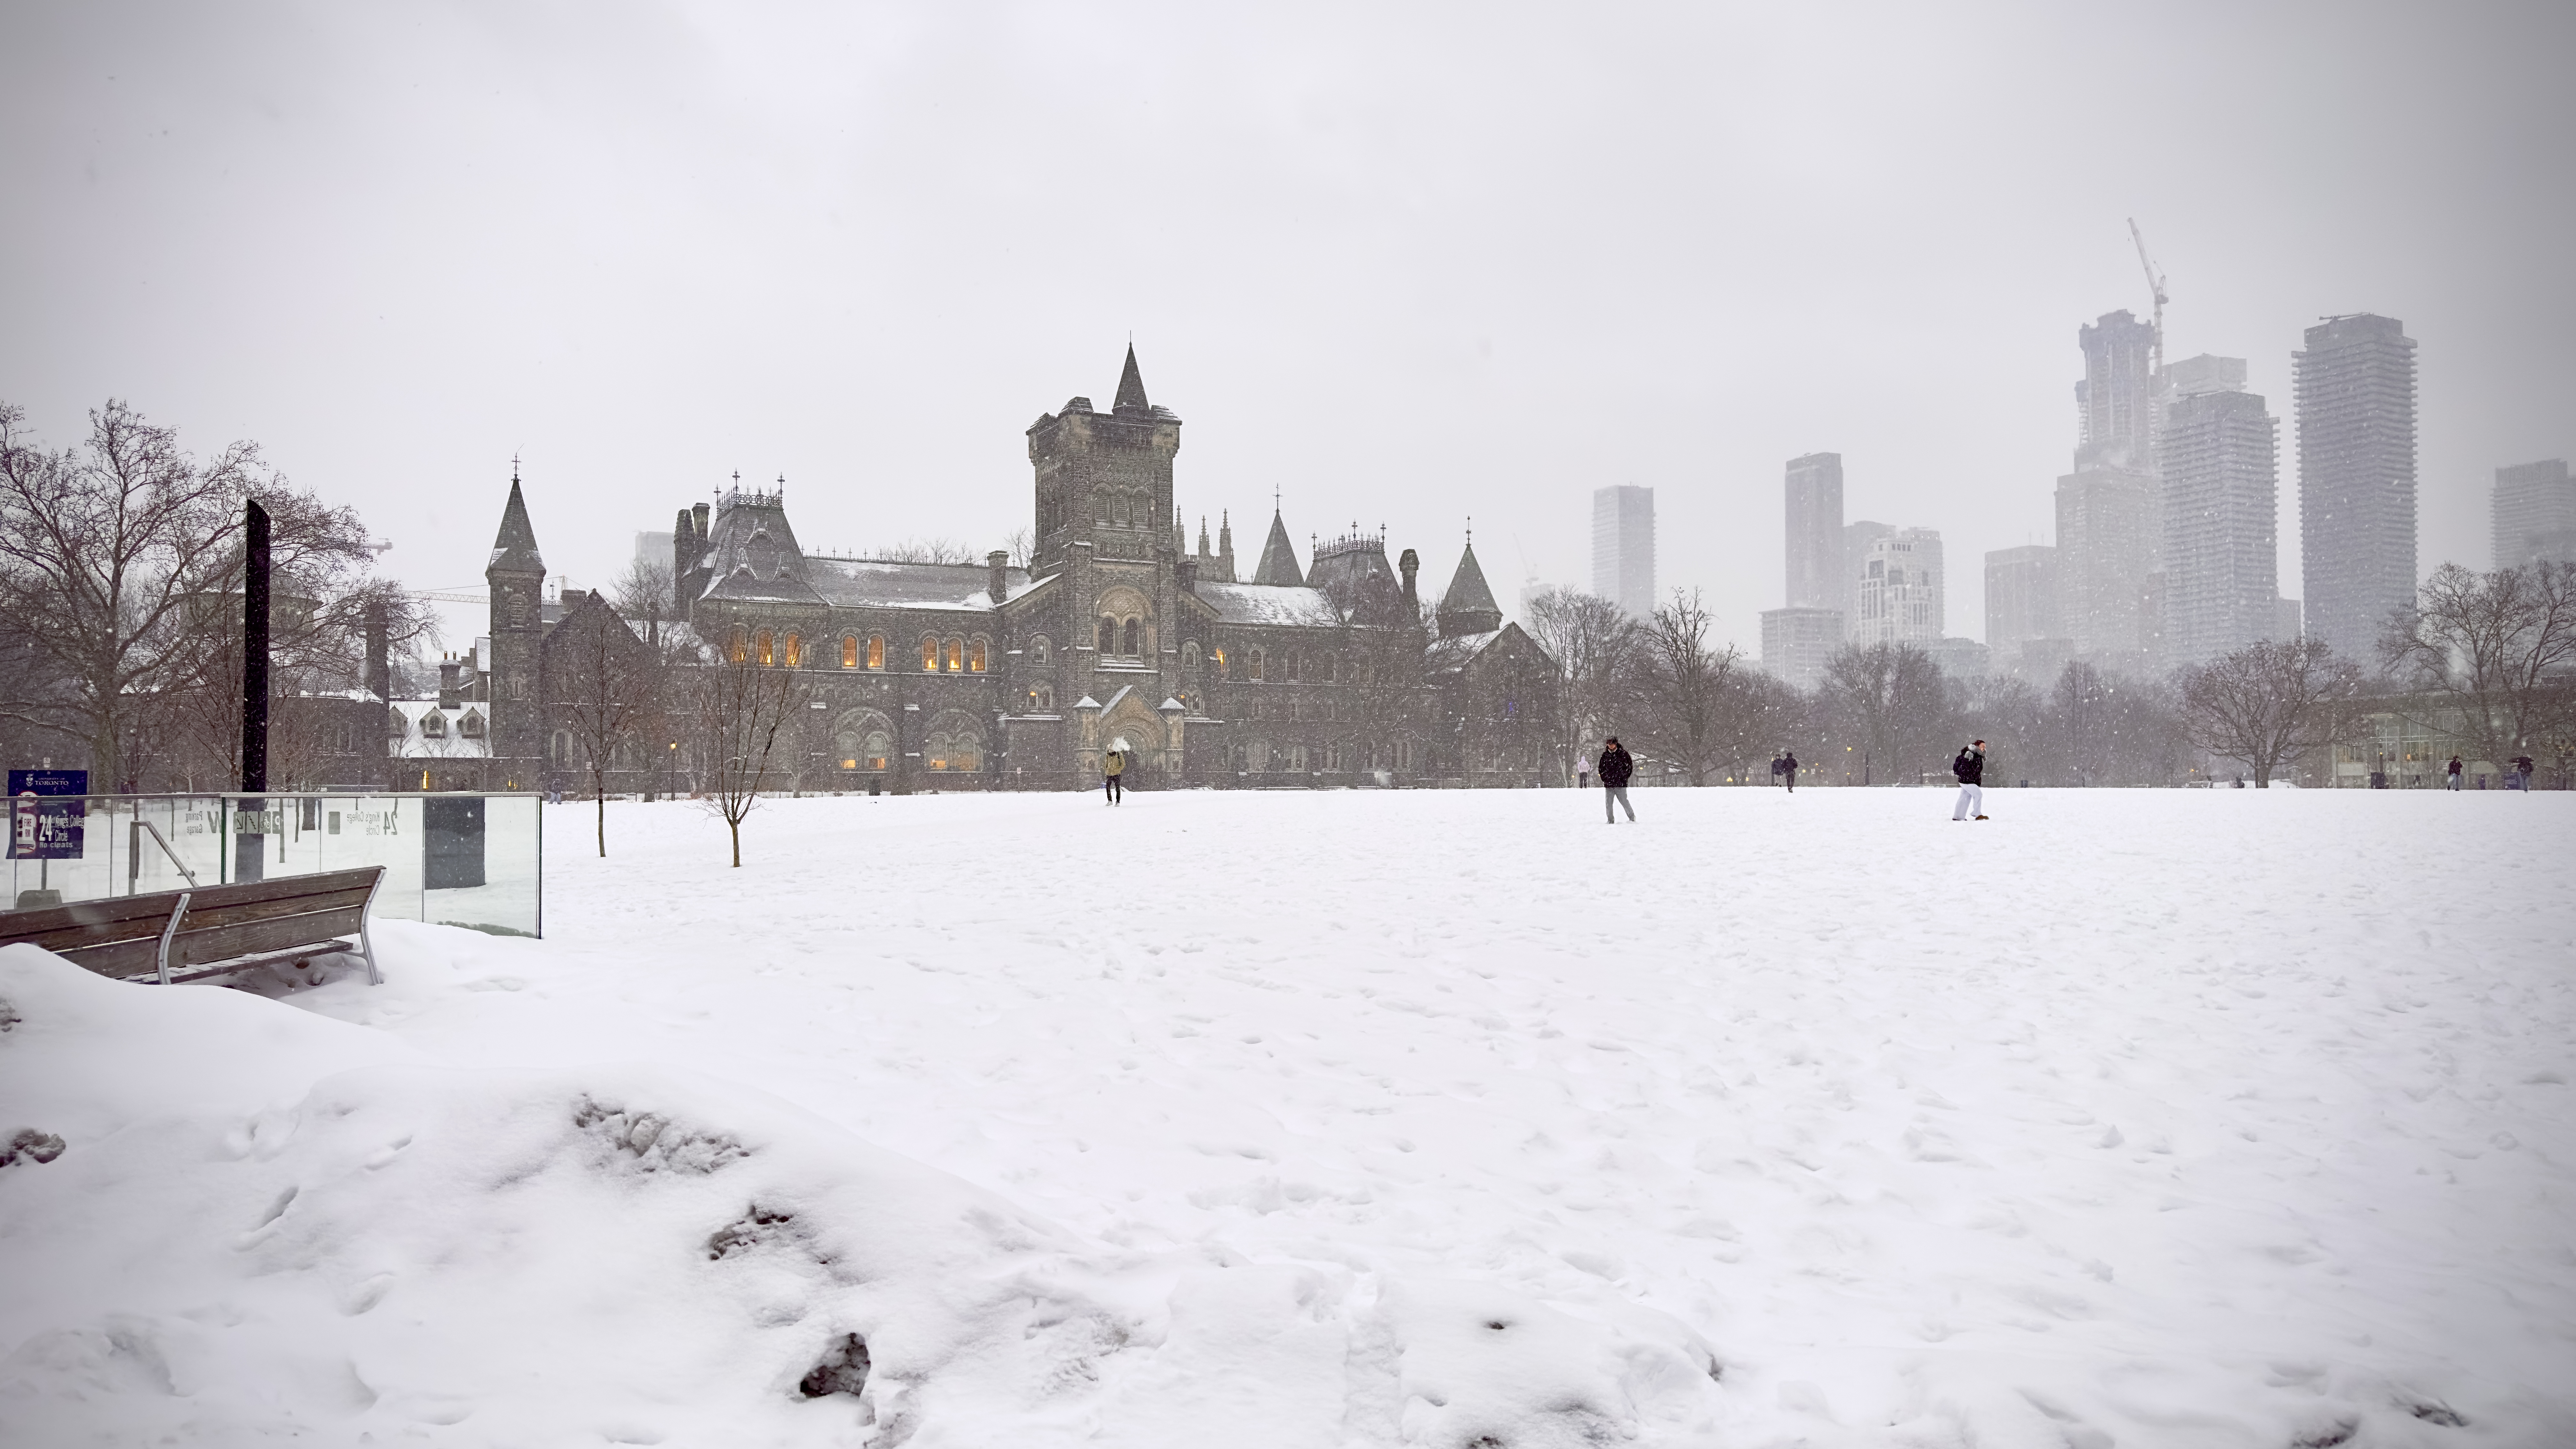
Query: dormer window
(471,726)
(434,725)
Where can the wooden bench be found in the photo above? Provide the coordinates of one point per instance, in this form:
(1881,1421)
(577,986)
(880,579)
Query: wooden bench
(189,935)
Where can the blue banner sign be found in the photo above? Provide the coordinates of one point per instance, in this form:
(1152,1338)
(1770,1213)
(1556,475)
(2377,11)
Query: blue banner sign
(42,824)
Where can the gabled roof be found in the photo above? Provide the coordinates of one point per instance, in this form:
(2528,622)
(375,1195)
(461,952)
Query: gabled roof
(1278,557)
(514,548)
(872,584)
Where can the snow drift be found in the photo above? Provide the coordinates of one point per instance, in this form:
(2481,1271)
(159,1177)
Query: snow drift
(263,1224)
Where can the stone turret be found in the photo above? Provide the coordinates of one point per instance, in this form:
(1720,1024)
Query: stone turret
(1278,557)
(517,576)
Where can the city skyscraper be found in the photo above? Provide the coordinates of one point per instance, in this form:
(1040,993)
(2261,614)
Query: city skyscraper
(2108,540)
(2535,513)
(2021,597)
(2221,495)
(2116,403)
(1900,589)
(2355,386)
(1797,641)
(1623,547)
(1814,514)
(1857,538)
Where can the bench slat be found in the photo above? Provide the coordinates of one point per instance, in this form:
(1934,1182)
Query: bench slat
(123,960)
(27,925)
(196,947)
(244,913)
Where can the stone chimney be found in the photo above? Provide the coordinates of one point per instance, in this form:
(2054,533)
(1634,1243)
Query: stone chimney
(380,659)
(1411,563)
(1186,574)
(451,682)
(997,565)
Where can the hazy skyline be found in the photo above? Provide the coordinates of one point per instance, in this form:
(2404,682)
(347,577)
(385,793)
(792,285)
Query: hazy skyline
(1400,266)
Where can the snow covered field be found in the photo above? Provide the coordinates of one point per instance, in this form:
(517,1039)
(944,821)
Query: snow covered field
(2126,1118)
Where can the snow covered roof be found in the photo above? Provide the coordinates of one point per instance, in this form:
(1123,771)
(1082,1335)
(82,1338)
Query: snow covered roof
(1267,604)
(876,584)
(451,742)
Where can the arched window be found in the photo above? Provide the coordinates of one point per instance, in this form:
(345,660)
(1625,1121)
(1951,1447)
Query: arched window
(1135,638)
(929,655)
(767,654)
(395,724)
(862,740)
(849,651)
(1041,696)
(876,651)
(433,724)
(1291,666)
(1218,655)
(795,652)
(975,655)
(1252,666)
(1190,658)
(471,726)
(1038,649)
(734,646)
(1108,636)
(954,743)
(956,655)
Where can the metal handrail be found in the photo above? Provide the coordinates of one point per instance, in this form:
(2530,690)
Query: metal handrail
(134,856)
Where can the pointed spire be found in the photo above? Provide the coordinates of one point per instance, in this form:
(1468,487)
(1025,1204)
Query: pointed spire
(514,548)
(1469,607)
(1131,385)
(1278,557)
(1203,543)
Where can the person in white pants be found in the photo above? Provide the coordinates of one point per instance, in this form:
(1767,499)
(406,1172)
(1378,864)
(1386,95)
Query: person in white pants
(1970,767)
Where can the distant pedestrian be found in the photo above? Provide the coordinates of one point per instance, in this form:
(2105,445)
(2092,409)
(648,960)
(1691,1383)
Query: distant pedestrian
(2522,773)
(1789,771)
(1616,767)
(1582,771)
(1970,767)
(2453,773)
(1775,769)
(1112,765)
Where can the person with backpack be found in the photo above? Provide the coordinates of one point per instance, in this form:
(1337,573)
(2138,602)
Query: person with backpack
(1615,767)
(2453,773)
(1789,771)
(1970,767)
(1113,765)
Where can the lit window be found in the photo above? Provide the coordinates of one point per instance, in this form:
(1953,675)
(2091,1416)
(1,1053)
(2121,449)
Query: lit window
(736,647)
(934,752)
(876,651)
(850,651)
(956,655)
(930,656)
(1219,656)
(767,655)
(975,656)
(795,652)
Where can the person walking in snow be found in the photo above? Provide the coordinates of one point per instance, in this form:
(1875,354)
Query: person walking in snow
(1112,765)
(2453,774)
(2522,773)
(1789,771)
(1616,767)
(1970,767)
(1582,771)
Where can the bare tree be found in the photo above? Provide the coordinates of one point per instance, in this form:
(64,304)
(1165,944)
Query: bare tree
(1893,700)
(602,680)
(1681,687)
(2268,703)
(644,595)
(1593,644)
(746,715)
(2494,647)
(926,551)
(120,570)
(1021,544)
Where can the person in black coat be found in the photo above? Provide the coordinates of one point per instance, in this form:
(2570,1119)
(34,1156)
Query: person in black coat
(1789,771)
(1970,767)
(1615,767)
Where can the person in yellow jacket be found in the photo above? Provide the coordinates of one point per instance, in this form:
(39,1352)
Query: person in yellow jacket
(1113,765)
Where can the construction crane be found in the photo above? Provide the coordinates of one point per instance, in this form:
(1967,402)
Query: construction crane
(449,596)
(2155,284)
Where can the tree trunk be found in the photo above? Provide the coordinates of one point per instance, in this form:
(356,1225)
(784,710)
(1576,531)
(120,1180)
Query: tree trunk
(736,827)
(599,793)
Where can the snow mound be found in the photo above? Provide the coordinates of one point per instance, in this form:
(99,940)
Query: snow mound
(258,1224)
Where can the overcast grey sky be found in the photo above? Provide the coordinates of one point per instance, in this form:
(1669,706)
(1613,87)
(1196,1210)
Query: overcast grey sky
(1401,264)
